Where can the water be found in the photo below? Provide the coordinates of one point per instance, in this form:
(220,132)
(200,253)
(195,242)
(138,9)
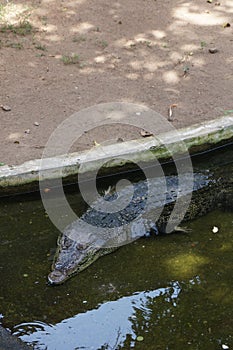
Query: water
(169,292)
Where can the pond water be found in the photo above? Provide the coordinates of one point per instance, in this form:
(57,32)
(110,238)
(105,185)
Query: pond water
(168,292)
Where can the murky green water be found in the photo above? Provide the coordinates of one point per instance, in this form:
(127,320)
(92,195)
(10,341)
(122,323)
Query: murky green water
(169,292)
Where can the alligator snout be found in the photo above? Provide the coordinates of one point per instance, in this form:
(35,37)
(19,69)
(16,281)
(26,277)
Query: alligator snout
(57,277)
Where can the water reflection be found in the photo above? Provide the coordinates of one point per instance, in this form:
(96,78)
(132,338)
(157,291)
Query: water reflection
(106,327)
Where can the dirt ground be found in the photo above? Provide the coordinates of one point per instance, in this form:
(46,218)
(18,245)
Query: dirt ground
(58,57)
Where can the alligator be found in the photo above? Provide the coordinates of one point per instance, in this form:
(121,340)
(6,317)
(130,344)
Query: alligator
(80,245)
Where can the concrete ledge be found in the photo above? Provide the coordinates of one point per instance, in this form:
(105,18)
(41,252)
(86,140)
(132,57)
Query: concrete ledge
(199,137)
(10,342)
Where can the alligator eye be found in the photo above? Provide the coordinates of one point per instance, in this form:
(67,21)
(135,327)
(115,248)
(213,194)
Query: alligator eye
(81,246)
(67,242)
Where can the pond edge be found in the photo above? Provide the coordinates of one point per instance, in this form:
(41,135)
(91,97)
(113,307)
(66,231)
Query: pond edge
(196,138)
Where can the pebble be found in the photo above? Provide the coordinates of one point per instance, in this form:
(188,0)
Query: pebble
(36,124)
(213,50)
(215,229)
(6,108)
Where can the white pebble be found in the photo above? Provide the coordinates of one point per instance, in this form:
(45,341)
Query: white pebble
(215,229)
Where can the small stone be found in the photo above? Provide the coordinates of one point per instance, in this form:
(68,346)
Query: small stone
(215,229)
(6,108)
(36,124)
(213,50)
(225,347)
(27,131)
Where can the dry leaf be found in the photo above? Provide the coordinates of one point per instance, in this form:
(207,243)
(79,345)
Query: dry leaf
(96,143)
(145,133)
(109,190)
(170,112)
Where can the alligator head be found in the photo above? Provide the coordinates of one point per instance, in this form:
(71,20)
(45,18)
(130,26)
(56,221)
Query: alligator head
(73,257)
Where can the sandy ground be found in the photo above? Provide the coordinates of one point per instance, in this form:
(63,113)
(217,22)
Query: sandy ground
(58,57)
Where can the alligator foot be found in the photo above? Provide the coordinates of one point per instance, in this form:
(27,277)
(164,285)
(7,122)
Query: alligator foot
(182,229)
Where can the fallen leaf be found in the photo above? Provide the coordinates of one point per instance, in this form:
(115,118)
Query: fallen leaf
(17,142)
(145,133)
(1,164)
(109,190)
(170,112)
(140,338)
(96,143)
(39,147)
(226,25)
(46,190)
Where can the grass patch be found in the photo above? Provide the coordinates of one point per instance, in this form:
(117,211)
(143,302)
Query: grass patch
(70,59)
(40,47)
(18,46)
(23,28)
(203,44)
(102,43)
(2,11)
(78,39)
